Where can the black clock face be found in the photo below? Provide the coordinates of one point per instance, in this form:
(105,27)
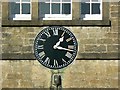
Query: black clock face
(55,47)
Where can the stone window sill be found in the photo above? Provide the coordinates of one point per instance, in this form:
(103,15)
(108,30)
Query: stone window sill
(37,23)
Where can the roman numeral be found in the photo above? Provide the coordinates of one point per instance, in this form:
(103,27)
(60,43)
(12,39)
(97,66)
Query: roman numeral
(69,55)
(47,34)
(42,40)
(69,39)
(55,32)
(55,63)
(63,60)
(42,54)
(40,47)
(71,46)
(47,61)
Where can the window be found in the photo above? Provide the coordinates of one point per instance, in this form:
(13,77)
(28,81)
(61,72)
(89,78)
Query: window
(50,12)
(55,9)
(20,9)
(91,10)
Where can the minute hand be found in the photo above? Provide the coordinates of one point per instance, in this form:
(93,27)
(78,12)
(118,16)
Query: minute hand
(61,48)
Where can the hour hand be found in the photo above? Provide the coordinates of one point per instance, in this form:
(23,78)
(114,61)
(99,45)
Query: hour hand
(58,43)
(61,48)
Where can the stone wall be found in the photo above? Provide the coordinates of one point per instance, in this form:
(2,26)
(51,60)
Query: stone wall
(119,25)
(0,45)
(21,70)
(81,74)
(94,42)
(119,40)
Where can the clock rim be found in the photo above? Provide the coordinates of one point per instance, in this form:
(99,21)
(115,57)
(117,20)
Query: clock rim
(55,68)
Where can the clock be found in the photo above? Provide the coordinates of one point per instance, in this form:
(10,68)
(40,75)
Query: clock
(55,47)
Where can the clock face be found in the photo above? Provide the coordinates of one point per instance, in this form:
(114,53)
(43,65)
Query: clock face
(55,47)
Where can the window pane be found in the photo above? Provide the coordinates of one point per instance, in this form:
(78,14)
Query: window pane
(55,8)
(14,0)
(95,8)
(14,8)
(85,0)
(44,8)
(66,8)
(25,8)
(85,8)
(47,0)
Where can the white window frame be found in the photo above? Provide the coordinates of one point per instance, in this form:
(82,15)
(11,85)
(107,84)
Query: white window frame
(93,16)
(58,16)
(22,16)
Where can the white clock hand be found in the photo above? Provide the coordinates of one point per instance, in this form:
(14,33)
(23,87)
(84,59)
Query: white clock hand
(58,43)
(61,39)
(61,48)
